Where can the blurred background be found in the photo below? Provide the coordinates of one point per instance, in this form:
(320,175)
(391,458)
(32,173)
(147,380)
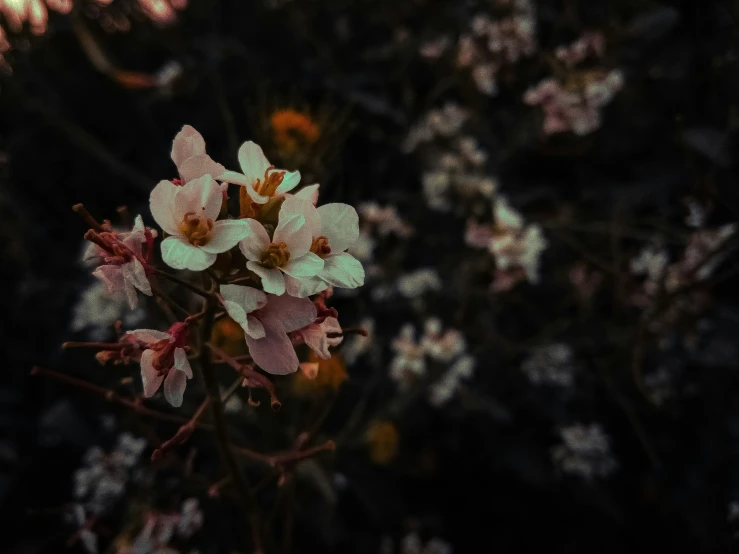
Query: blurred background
(548,199)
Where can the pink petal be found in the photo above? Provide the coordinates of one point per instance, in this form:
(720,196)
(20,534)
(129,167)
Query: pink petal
(162,203)
(149,375)
(174,387)
(201,196)
(248,298)
(112,277)
(315,339)
(180,254)
(149,336)
(197,166)
(293,231)
(187,143)
(292,313)
(340,225)
(226,234)
(309,193)
(274,353)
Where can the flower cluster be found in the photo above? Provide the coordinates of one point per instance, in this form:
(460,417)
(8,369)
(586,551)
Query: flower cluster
(263,262)
(447,348)
(491,44)
(161,528)
(585,451)
(573,102)
(550,364)
(515,246)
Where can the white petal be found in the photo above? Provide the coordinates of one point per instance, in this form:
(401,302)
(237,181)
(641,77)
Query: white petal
(174,387)
(201,196)
(309,193)
(340,225)
(248,298)
(293,313)
(273,281)
(150,376)
(180,254)
(253,246)
(236,312)
(188,142)
(181,363)
(137,274)
(197,166)
(305,266)
(233,177)
(226,234)
(343,270)
(161,203)
(293,206)
(293,231)
(302,288)
(253,162)
(289,181)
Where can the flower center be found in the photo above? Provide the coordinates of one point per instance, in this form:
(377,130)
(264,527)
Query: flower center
(276,255)
(196,228)
(164,359)
(268,186)
(320,247)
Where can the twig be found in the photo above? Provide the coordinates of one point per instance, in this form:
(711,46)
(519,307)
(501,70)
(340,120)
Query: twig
(243,491)
(194,288)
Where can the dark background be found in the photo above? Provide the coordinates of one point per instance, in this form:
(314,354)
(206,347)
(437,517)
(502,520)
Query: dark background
(69,133)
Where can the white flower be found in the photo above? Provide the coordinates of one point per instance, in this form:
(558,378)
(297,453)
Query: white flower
(288,252)
(188,154)
(261,179)
(188,214)
(333,229)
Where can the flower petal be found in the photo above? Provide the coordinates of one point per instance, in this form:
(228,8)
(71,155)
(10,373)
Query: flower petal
(343,270)
(273,281)
(254,245)
(181,363)
(161,203)
(305,266)
(174,387)
(233,177)
(289,181)
(201,196)
(302,288)
(253,162)
(137,274)
(309,193)
(293,206)
(274,353)
(149,335)
(180,254)
(187,143)
(226,234)
(292,313)
(197,166)
(149,375)
(292,230)
(246,298)
(340,225)
(255,327)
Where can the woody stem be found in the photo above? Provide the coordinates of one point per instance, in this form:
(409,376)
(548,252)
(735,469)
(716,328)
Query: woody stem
(241,485)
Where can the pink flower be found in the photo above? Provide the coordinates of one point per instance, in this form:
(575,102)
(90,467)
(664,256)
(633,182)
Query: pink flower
(316,336)
(261,179)
(333,228)
(288,252)
(188,214)
(266,321)
(188,154)
(122,254)
(165,359)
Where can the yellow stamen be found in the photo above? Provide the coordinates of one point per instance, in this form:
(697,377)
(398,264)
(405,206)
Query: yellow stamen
(268,186)
(276,255)
(196,228)
(320,247)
